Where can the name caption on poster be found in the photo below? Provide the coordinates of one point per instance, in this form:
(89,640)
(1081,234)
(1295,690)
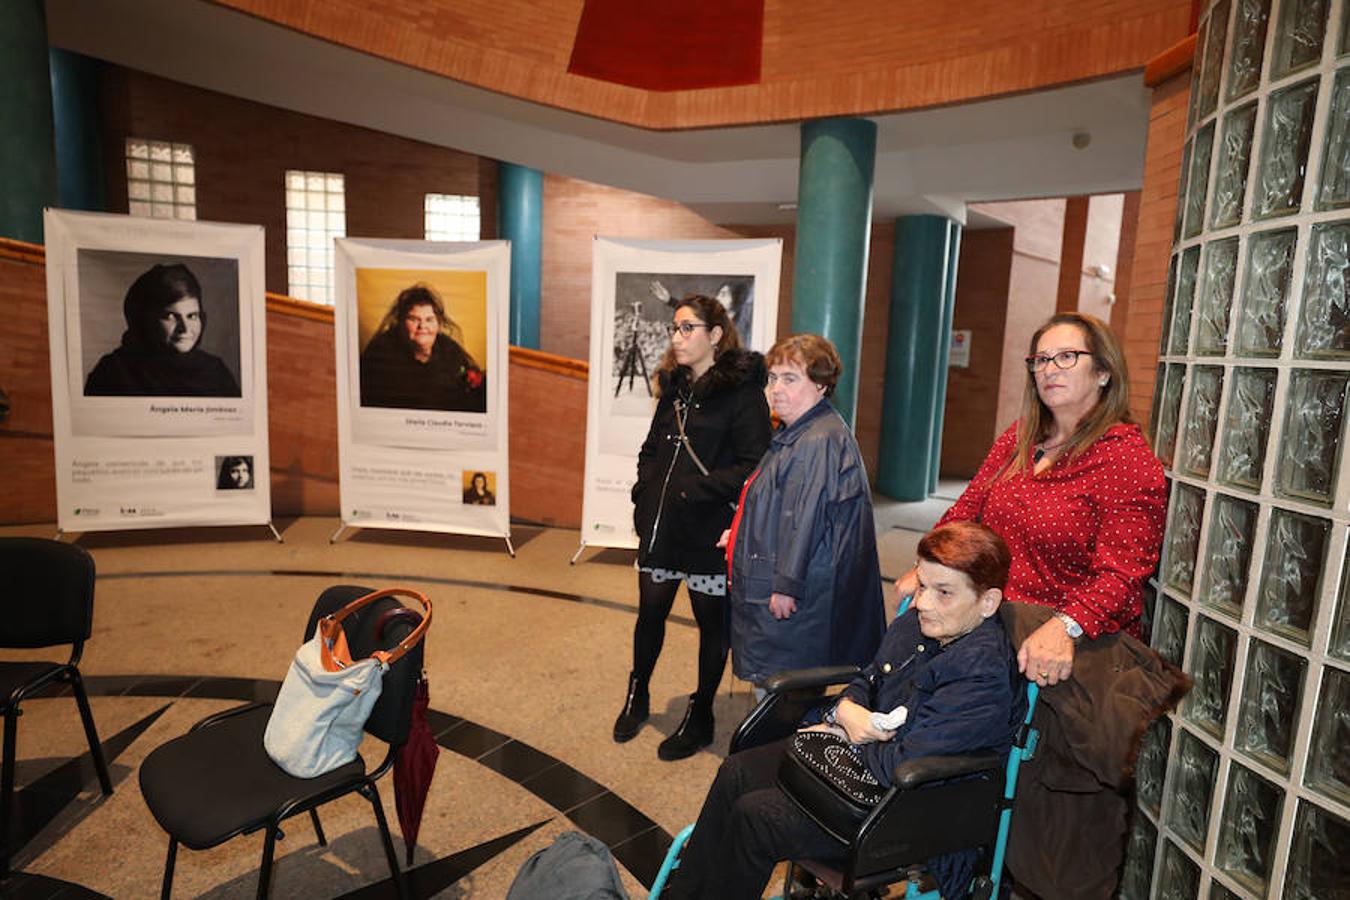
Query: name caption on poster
(464,426)
(84,471)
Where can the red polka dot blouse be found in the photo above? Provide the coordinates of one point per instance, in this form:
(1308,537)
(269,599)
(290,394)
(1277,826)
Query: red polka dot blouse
(1085,533)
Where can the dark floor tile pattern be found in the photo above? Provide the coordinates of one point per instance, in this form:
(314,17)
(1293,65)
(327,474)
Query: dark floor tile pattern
(643,853)
(610,818)
(431,878)
(563,787)
(24,886)
(470,739)
(636,841)
(517,761)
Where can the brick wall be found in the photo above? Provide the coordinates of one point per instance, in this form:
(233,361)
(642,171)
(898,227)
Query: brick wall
(1153,239)
(25,374)
(982,283)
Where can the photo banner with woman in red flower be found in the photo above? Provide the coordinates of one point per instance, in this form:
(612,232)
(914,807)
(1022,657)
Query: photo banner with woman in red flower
(421,385)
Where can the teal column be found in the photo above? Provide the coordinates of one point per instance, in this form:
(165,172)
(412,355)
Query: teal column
(27,157)
(834,218)
(944,351)
(520,207)
(916,355)
(79,132)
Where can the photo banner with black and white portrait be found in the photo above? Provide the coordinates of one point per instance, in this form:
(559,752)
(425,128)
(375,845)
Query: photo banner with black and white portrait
(422,363)
(158,339)
(635,287)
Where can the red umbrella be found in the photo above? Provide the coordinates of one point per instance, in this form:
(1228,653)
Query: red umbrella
(413,768)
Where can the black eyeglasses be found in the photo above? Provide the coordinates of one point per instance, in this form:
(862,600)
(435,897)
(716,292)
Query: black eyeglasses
(685,328)
(1064,359)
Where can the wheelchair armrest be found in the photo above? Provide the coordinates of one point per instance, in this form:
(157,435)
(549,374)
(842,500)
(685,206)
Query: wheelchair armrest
(921,770)
(821,676)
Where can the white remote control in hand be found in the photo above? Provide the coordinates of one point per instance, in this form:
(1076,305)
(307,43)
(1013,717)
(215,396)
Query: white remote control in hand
(891,720)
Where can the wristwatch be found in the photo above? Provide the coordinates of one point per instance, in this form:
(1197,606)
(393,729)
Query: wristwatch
(1074,630)
(831,716)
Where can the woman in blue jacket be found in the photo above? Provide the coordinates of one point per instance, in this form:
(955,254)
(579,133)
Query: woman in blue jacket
(805,582)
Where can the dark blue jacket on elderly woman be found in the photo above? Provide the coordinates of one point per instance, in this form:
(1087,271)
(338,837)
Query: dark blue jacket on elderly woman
(966,697)
(807,532)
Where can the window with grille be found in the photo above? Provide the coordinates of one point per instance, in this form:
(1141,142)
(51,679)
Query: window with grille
(315,214)
(161,179)
(452,217)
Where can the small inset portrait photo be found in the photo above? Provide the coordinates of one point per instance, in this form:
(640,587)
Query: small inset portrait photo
(480,488)
(234,473)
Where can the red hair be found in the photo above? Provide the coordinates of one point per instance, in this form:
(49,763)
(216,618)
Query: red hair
(972,549)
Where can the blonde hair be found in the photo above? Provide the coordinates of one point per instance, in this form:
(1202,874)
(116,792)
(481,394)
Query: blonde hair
(1113,402)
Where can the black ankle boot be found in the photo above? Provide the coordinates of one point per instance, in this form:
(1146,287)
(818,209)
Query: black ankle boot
(695,732)
(635,709)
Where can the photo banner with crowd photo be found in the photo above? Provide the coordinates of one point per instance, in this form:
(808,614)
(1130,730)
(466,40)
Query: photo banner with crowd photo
(422,360)
(158,339)
(635,287)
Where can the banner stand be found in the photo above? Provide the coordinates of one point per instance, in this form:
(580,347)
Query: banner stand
(510,549)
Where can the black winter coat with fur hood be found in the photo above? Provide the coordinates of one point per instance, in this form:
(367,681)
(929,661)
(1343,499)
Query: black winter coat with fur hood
(680,512)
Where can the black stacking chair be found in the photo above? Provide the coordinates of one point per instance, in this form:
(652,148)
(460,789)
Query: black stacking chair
(48,590)
(217,781)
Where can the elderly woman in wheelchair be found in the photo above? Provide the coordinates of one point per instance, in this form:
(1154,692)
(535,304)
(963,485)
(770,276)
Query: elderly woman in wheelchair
(943,682)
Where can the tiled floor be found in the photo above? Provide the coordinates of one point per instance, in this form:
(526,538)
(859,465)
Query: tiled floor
(527,660)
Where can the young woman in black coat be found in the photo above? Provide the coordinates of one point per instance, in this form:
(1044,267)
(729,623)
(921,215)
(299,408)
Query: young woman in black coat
(710,428)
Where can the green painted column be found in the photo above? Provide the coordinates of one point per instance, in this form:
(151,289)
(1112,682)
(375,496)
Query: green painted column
(27,155)
(520,207)
(916,352)
(944,351)
(834,218)
(79,133)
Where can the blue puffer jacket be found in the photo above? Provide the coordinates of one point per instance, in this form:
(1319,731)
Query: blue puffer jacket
(807,532)
(962,698)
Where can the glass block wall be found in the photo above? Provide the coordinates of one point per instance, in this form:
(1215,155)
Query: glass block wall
(1245,790)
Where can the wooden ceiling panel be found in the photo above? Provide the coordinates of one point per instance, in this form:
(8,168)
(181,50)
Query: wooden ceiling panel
(848,57)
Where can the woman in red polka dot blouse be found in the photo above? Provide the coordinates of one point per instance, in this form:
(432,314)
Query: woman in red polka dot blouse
(1075,491)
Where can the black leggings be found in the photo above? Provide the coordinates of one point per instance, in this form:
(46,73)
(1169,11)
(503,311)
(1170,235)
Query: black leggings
(654,602)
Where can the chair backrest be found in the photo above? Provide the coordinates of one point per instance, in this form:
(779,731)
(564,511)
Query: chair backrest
(48,592)
(392,714)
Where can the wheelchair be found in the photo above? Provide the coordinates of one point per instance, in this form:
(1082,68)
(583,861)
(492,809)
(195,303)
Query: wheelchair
(913,821)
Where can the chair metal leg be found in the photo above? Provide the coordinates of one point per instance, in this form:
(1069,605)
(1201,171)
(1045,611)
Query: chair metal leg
(318,829)
(91,733)
(371,793)
(265,874)
(7,787)
(166,888)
